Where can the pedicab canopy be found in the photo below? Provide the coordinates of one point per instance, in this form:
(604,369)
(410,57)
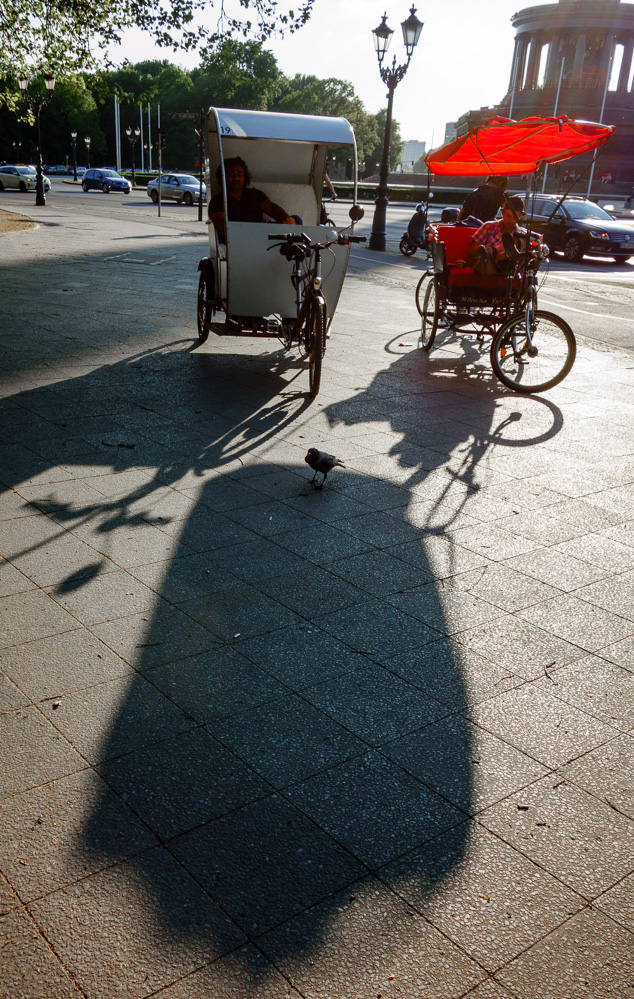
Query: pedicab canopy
(503,146)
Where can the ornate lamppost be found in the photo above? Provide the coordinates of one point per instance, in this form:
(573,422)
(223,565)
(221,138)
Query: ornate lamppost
(87,141)
(412,28)
(36,102)
(73,142)
(133,136)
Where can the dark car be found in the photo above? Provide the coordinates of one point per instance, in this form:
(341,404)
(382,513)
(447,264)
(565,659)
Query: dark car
(578,226)
(105,180)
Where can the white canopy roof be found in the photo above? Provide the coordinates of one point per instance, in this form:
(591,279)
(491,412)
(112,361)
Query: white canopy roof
(235,123)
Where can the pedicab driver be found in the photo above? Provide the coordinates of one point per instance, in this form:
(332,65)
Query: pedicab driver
(493,249)
(244,203)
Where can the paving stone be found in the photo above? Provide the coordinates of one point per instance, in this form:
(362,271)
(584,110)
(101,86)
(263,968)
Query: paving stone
(183,578)
(600,551)
(50,837)
(600,688)
(447,607)
(582,841)
(608,773)
(374,704)
(556,569)
(286,740)
(155,925)
(265,862)
(538,723)
(146,641)
(30,615)
(104,597)
(375,809)
(481,893)
(379,573)
(216,684)
(579,622)
(8,898)
(238,611)
(12,580)
(492,542)
(32,752)
(519,646)
(368,942)
(615,595)
(182,782)
(271,519)
(589,955)
(322,543)
(377,629)
(329,506)
(501,586)
(257,560)
(465,764)
(302,655)
(30,967)
(244,974)
(438,556)
(618,903)
(116,717)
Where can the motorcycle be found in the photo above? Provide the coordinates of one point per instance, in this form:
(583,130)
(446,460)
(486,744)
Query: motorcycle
(416,236)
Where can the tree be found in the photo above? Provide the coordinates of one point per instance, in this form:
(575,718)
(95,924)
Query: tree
(397,144)
(69,36)
(310,95)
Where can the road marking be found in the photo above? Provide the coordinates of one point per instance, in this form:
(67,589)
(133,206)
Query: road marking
(584,312)
(125,258)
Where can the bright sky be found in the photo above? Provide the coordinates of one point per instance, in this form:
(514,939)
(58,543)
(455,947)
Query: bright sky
(439,85)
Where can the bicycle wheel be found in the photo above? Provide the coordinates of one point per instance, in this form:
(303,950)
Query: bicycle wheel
(535,367)
(418,294)
(429,316)
(315,340)
(204,300)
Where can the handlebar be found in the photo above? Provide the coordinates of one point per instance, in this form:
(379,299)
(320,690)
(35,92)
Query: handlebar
(291,237)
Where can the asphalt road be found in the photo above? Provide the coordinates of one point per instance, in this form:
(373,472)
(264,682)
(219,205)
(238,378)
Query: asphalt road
(595,296)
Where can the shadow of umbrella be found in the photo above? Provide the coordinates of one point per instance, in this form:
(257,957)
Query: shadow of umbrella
(291,732)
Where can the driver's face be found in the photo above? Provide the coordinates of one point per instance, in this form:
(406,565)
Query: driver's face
(235,179)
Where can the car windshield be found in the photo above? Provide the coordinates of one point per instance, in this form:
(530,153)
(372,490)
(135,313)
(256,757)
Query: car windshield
(28,169)
(586,210)
(185,178)
(111,174)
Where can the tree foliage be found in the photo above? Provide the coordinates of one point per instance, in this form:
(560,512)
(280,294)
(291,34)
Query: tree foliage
(397,144)
(71,36)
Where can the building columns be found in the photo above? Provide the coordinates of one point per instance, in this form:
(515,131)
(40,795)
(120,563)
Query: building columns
(580,55)
(626,65)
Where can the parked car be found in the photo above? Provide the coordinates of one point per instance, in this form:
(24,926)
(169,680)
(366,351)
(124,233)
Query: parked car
(181,187)
(56,171)
(578,226)
(20,178)
(105,180)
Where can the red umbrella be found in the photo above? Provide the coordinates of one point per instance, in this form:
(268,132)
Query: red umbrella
(503,146)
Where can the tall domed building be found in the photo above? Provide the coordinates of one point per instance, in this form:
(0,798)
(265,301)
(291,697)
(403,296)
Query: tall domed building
(575,57)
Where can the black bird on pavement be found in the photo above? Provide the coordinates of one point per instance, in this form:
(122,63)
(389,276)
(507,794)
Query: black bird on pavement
(321,462)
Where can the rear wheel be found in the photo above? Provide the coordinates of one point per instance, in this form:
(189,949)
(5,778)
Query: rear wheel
(188,199)
(573,248)
(206,296)
(84,186)
(315,340)
(1,186)
(406,248)
(105,188)
(537,365)
(154,196)
(23,187)
(429,316)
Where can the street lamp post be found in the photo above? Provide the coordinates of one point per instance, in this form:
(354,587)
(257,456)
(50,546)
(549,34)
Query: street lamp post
(133,135)
(73,142)
(87,141)
(412,28)
(16,150)
(36,102)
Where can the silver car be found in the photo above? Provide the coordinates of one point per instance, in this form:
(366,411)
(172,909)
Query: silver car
(21,178)
(181,187)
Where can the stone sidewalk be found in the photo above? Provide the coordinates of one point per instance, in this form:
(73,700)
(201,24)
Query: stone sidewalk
(261,740)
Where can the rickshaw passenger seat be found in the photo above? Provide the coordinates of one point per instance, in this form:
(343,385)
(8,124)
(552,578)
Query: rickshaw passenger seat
(457,240)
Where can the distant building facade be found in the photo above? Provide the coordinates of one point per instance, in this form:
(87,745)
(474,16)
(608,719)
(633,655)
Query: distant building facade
(451,131)
(574,57)
(411,154)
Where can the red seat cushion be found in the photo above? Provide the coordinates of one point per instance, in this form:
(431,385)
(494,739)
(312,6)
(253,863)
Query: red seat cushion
(466,277)
(457,240)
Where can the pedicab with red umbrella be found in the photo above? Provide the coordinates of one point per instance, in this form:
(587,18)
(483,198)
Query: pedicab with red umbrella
(531,350)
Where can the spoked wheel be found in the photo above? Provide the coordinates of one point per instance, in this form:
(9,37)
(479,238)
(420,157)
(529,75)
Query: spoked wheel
(315,340)
(537,365)
(420,292)
(429,316)
(206,295)
(407,248)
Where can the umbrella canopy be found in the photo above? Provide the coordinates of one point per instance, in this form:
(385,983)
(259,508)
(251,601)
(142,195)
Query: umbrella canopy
(503,146)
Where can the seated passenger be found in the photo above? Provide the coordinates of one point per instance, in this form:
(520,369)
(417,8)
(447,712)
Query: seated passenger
(493,249)
(244,203)
(483,203)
